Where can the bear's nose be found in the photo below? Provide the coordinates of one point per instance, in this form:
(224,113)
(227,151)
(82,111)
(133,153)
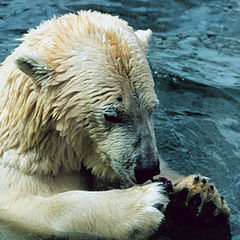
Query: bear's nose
(144,174)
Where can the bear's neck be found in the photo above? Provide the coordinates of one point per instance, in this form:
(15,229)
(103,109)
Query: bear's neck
(54,153)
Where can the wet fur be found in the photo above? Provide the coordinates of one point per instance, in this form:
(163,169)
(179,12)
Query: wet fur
(56,147)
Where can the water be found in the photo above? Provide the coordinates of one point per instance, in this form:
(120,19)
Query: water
(195,59)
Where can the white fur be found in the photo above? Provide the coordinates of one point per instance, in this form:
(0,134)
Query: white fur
(55,148)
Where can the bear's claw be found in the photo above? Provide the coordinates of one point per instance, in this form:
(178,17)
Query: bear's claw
(198,201)
(166,183)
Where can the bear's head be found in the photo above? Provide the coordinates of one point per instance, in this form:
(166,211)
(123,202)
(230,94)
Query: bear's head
(92,70)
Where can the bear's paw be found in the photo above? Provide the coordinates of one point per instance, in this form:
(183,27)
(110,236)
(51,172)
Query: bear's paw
(196,200)
(147,210)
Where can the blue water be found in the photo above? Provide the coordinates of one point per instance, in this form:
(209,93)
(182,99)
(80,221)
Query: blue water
(195,59)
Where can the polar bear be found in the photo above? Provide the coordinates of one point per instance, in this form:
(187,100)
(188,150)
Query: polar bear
(77,144)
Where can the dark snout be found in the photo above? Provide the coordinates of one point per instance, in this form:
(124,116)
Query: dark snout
(147,169)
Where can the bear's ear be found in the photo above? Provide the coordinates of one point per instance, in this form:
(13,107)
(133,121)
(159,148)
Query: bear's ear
(144,37)
(35,69)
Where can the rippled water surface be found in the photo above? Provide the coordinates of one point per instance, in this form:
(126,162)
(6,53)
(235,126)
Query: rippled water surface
(195,60)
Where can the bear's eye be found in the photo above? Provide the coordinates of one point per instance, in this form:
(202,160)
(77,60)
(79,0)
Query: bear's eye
(112,118)
(119,99)
(112,115)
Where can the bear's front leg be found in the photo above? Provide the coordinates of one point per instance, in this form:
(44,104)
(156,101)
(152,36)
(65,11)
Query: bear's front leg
(133,213)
